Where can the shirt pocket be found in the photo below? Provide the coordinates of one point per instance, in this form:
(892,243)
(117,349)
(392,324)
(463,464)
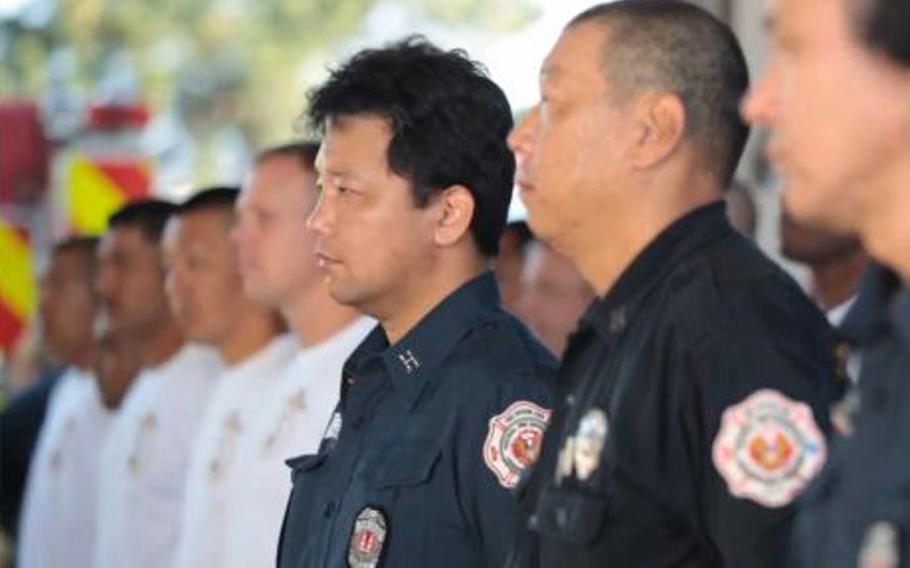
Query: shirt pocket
(404,465)
(302,465)
(572,515)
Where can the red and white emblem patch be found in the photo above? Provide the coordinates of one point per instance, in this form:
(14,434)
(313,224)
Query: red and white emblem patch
(367,539)
(514,439)
(768,448)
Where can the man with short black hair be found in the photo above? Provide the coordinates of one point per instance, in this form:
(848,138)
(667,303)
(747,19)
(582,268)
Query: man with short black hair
(145,457)
(278,194)
(205,290)
(444,404)
(835,98)
(60,504)
(696,391)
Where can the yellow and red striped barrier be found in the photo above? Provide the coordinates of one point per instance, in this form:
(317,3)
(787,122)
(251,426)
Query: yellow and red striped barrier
(18,289)
(96,187)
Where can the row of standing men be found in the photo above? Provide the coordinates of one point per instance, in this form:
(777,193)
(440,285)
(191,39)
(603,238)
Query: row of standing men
(690,422)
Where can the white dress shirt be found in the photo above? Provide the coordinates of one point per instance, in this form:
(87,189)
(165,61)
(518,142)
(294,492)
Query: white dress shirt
(144,461)
(235,403)
(59,509)
(292,422)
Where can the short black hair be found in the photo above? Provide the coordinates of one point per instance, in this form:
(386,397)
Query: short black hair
(82,246)
(449,123)
(221,197)
(678,47)
(885,26)
(148,215)
(303,151)
(78,244)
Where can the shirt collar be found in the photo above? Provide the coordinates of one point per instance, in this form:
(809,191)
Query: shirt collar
(868,317)
(611,313)
(410,363)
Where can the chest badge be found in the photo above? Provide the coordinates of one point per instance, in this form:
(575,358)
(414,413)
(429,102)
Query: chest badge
(367,538)
(514,439)
(768,448)
(221,461)
(139,457)
(589,442)
(296,404)
(880,547)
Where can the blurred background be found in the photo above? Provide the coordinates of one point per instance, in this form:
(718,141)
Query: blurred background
(104,101)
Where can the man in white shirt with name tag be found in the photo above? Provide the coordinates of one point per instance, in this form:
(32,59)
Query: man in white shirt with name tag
(273,206)
(204,286)
(58,519)
(144,460)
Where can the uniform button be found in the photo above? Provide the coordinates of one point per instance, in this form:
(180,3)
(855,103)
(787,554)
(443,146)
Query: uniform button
(533,522)
(329,509)
(570,400)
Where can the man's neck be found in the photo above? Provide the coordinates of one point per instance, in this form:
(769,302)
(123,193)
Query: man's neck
(83,357)
(401,312)
(602,255)
(886,233)
(313,316)
(837,281)
(161,345)
(252,331)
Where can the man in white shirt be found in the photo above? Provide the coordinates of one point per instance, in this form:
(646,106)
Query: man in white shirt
(205,291)
(145,458)
(273,204)
(58,518)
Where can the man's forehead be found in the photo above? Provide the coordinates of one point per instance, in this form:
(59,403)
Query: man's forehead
(266,183)
(785,15)
(124,237)
(577,52)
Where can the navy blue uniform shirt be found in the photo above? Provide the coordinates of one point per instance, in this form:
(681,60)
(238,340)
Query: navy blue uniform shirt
(430,436)
(693,411)
(857,513)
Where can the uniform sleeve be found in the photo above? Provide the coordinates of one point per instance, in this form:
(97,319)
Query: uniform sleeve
(755,422)
(501,439)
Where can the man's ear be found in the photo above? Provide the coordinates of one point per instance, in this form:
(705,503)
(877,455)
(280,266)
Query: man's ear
(456,210)
(661,122)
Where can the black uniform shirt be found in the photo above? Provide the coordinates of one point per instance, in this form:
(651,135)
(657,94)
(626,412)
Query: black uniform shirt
(694,405)
(857,513)
(434,432)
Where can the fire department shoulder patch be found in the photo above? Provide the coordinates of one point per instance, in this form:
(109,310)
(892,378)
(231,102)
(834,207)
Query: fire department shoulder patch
(768,448)
(514,439)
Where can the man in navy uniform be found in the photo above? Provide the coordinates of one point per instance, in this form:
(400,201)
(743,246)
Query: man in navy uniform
(697,388)
(444,404)
(835,98)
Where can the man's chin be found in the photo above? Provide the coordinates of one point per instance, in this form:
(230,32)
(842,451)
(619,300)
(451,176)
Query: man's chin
(810,205)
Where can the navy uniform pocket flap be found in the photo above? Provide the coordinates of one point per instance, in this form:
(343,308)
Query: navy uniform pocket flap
(405,465)
(304,463)
(572,516)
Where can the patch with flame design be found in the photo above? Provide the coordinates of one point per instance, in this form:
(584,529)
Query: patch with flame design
(768,448)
